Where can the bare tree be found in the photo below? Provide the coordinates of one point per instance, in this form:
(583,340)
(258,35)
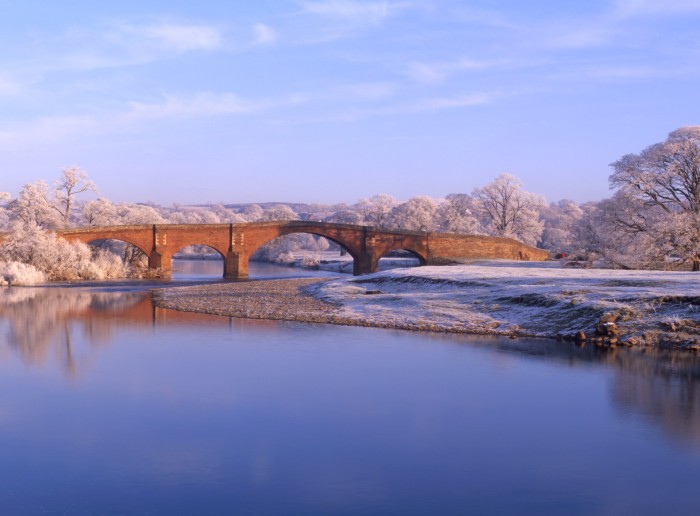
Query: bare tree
(510,211)
(73,181)
(659,195)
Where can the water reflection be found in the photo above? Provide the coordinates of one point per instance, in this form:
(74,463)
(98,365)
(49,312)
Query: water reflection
(660,386)
(213,270)
(66,327)
(41,324)
(169,412)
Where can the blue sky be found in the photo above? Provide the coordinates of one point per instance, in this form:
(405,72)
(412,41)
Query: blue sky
(334,100)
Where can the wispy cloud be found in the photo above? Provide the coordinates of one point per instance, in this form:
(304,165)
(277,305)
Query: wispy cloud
(263,34)
(439,72)
(201,104)
(61,128)
(415,107)
(580,35)
(173,36)
(454,102)
(656,7)
(370,91)
(638,72)
(355,11)
(116,46)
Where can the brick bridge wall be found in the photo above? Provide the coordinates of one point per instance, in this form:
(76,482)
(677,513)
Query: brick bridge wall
(237,242)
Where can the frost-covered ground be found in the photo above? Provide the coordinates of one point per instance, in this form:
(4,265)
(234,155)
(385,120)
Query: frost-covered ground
(521,298)
(332,261)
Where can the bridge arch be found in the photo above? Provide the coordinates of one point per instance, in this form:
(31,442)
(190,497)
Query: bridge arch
(294,231)
(422,260)
(92,240)
(213,247)
(196,263)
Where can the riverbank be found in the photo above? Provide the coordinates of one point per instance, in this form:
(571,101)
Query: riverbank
(282,300)
(607,307)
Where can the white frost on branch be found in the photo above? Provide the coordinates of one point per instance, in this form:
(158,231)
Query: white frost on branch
(509,211)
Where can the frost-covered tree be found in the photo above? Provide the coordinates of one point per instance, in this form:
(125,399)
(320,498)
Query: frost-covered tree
(32,205)
(279,212)
(226,215)
(139,214)
(456,215)
(253,212)
(376,211)
(416,214)
(559,219)
(192,215)
(73,181)
(100,212)
(4,211)
(56,258)
(345,216)
(658,193)
(510,211)
(598,237)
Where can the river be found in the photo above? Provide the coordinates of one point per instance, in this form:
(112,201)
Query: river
(111,406)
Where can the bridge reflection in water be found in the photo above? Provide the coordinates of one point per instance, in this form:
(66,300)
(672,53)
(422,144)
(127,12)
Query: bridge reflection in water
(237,242)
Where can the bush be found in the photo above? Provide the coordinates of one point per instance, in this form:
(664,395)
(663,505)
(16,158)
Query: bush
(15,273)
(58,259)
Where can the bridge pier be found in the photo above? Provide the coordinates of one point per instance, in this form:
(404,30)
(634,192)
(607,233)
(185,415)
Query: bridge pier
(160,262)
(235,266)
(154,260)
(364,263)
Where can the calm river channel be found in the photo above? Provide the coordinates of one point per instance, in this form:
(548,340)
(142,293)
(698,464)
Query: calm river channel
(111,406)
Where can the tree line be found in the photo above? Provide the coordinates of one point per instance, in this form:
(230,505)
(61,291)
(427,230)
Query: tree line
(651,220)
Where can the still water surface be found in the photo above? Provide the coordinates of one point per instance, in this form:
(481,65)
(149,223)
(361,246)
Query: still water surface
(111,406)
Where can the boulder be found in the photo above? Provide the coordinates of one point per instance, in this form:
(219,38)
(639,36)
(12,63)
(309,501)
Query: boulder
(608,329)
(609,317)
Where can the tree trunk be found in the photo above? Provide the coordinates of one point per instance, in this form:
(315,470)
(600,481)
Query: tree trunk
(696,265)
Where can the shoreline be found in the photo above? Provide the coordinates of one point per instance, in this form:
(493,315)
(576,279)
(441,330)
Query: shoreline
(605,308)
(278,300)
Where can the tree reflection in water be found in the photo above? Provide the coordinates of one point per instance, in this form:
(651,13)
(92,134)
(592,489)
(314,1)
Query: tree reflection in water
(660,385)
(39,323)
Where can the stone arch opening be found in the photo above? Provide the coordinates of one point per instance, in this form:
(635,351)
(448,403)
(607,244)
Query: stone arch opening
(307,249)
(131,253)
(195,261)
(400,257)
(109,242)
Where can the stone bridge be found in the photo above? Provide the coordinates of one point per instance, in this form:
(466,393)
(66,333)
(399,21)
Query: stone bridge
(237,242)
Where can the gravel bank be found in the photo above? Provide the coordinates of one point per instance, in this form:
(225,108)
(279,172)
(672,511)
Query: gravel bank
(605,307)
(282,300)
(274,299)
